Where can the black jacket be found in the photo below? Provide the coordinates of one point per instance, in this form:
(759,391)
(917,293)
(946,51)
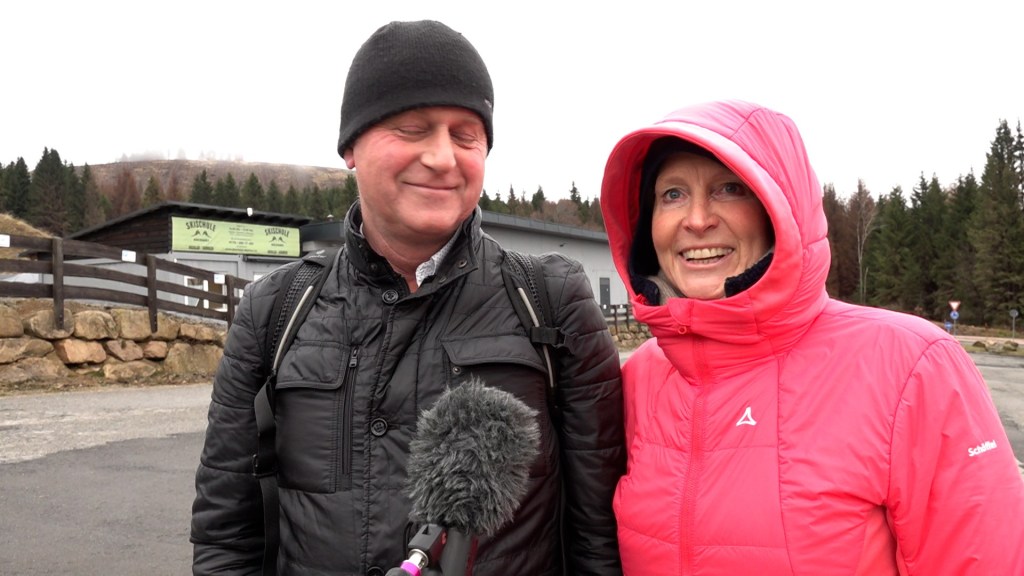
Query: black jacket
(368,359)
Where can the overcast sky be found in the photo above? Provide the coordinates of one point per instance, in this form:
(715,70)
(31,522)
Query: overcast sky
(881,90)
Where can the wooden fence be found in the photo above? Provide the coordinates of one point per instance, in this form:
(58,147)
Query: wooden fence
(58,249)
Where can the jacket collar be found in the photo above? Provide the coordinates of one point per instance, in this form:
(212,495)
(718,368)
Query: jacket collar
(461,257)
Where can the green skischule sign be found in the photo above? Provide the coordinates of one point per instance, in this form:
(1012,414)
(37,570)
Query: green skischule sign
(215,236)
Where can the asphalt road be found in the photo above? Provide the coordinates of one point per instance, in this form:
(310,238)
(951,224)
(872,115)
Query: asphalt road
(101,482)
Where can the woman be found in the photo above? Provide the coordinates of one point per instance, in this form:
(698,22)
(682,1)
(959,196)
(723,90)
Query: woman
(771,429)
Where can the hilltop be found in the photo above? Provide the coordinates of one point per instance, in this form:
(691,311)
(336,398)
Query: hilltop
(11,225)
(185,171)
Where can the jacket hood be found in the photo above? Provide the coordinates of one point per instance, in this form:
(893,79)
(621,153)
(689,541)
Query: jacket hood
(765,149)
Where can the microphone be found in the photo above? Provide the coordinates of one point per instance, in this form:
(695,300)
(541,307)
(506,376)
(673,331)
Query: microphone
(468,467)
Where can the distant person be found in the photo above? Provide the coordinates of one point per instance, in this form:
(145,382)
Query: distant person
(770,429)
(415,303)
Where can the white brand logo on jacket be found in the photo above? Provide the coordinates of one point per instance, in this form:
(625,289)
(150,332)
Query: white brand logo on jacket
(746,419)
(982,448)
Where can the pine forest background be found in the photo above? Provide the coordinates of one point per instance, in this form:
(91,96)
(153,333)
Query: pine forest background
(912,251)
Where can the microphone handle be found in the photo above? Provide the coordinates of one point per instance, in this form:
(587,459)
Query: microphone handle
(459,554)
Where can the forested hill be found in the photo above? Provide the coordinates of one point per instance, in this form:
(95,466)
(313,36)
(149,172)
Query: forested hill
(171,175)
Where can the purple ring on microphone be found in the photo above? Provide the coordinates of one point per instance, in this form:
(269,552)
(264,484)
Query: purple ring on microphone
(411,568)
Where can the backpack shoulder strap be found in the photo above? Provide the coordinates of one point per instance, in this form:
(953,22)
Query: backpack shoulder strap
(524,281)
(291,305)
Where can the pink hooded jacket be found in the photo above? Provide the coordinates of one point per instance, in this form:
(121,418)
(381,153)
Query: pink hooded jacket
(779,431)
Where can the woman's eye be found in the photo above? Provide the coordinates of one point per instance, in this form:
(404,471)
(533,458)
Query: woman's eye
(675,195)
(731,191)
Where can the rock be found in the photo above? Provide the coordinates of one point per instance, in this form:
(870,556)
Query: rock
(10,323)
(95,325)
(14,349)
(124,350)
(154,350)
(128,371)
(42,324)
(133,324)
(185,358)
(200,333)
(74,351)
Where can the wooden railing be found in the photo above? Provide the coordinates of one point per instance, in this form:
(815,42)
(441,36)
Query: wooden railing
(616,314)
(58,249)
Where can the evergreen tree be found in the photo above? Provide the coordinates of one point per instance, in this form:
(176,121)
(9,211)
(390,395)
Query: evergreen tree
(497,205)
(513,203)
(75,202)
(4,193)
(47,209)
(335,205)
(151,195)
(202,190)
(537,202)
(485,201)
(888,258)
(350,191)
(19,187)
(314,203)
(834,215)
(574,195)
(583,208)
(292,202)
(997,230)
(963,201)
(274,198)
(253,195)
(225,192)
(930,247)
(597,217)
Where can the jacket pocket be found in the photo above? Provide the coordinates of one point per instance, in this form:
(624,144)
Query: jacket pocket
(311,416)
(510,363)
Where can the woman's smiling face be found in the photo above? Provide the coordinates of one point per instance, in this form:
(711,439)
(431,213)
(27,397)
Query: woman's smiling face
(707,225)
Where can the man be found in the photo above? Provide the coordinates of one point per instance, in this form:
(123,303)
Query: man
(414,304)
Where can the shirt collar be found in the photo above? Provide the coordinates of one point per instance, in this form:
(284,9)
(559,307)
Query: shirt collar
(429,268)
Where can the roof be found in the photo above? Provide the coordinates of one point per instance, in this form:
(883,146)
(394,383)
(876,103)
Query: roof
(206,211)
(334,229)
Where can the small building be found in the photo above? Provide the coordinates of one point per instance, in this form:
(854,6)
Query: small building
(236,241)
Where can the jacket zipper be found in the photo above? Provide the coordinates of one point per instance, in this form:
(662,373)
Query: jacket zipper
(695,468)
(345,419)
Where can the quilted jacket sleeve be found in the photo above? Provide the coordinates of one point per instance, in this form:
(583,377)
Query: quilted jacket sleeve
(589,396)
(956,497)
(227,514)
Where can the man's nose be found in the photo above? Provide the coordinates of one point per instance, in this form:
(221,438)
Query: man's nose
(439,152)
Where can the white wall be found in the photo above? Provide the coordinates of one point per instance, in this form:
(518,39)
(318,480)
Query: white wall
(593,254)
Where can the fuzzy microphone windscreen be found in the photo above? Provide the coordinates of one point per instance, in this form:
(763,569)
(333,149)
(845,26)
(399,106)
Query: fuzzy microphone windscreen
(469,460)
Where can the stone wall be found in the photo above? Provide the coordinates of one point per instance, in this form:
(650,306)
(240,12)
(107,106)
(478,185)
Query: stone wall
(629,336)
(116,344)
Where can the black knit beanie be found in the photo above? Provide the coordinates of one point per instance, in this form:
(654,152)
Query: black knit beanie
(407,65)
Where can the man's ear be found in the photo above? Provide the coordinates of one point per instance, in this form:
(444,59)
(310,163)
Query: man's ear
(350,159)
